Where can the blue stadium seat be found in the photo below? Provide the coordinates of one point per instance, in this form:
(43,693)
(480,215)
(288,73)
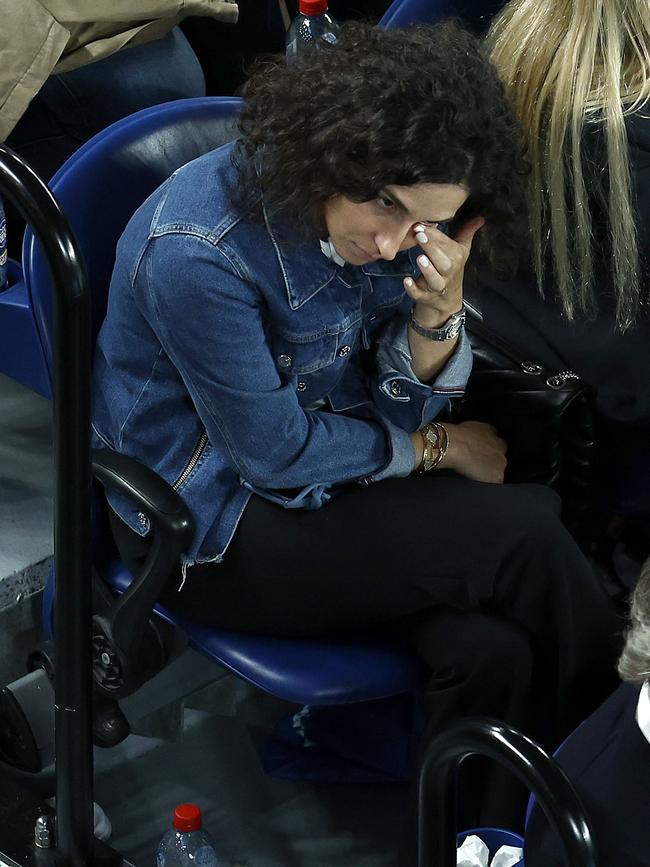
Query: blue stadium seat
(99,188)
(21,353)
(475,14)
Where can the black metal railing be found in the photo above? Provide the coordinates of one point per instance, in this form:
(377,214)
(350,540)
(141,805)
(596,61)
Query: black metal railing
(20,185)
(437,789)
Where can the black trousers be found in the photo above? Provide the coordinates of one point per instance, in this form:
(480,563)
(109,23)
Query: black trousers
(481,580)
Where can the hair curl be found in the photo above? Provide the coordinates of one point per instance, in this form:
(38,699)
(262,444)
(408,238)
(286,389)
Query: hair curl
(382,107)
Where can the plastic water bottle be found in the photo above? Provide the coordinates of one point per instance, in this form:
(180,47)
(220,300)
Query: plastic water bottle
(187,844)
(312,24)
(3,249)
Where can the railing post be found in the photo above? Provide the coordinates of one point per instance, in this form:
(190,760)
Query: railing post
(437,789)
(20,185)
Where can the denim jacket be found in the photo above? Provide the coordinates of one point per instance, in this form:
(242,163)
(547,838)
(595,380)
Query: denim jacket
(234,359)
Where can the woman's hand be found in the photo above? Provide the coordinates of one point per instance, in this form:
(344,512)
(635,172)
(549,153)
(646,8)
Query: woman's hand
(476,451)
(438,293)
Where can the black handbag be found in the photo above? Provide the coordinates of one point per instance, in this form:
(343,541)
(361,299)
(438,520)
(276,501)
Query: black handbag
(545,416)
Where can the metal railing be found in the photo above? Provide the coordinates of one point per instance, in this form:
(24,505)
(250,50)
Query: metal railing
(437,789)
(20,185)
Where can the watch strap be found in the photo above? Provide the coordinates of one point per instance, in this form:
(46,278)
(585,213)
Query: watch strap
(446,331)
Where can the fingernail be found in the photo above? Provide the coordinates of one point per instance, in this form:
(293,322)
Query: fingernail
(418,228)
(408,282)
(423,262)
(421,238)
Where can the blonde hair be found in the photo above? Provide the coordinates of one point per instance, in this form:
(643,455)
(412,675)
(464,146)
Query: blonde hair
(567,65)
(634,664)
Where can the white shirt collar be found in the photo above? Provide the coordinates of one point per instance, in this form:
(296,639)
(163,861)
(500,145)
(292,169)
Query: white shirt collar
(329,250)
(643,711)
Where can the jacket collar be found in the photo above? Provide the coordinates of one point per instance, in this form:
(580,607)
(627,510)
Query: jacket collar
(306,270)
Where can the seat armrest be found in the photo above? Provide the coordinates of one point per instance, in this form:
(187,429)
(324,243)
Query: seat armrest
(121,632)
(152,495)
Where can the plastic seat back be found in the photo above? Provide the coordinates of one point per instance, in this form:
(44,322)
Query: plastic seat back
(108,178)
(475,14)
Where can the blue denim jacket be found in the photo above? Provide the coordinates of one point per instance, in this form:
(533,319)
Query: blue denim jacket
(234,359)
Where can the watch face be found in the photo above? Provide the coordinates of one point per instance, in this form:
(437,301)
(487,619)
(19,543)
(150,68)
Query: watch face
(454,329)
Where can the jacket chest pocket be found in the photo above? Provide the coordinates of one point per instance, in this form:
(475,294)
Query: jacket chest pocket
(302,354)
(316,363)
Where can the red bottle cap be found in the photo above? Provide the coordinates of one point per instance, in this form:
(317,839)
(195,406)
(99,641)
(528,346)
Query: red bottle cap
(312,7)
(187,817)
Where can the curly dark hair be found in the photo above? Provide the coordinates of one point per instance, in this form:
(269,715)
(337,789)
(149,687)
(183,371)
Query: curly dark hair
(382,107)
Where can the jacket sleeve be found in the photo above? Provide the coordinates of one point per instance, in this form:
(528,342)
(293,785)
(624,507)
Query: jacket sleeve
(41,37)
(88,11)
(99,29)
(31,42)
(210,321)
(399,394)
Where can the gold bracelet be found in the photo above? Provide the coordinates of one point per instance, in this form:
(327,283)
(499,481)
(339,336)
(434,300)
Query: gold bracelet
(429,436)
(445,444)
(435,438)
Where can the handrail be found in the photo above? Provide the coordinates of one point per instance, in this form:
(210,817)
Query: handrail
(72,556)
(437,789)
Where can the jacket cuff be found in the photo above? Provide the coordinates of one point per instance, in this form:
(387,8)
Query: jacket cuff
(397,379)
(402,460)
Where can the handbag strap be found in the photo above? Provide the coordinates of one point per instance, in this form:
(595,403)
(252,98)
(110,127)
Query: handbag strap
(474,324)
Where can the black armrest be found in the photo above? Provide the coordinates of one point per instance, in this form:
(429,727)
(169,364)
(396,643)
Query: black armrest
(147,490)
(125,626)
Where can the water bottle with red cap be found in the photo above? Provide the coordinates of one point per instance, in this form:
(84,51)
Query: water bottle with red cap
(313,24)
(187,844)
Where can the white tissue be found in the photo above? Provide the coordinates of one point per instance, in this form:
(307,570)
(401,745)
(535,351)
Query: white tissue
(507,856)
(472,853)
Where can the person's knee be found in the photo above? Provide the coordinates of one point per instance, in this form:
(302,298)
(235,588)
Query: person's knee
(542,496)
(535,525)
(476,647)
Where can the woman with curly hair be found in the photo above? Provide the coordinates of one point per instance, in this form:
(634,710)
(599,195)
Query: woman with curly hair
(284,333)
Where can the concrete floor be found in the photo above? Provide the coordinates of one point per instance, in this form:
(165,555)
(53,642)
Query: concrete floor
(26,544)
(256,820)
(26,485)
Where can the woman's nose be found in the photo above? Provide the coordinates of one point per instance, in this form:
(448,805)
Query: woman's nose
(389,245)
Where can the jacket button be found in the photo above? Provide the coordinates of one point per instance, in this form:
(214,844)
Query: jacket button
(343,351)
(285,361)
(395,387)
(302,386)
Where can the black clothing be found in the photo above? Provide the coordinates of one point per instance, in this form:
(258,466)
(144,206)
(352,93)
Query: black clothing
(615,363)
(481,580)
(608,761)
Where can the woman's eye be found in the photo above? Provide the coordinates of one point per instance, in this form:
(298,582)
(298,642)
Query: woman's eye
(385,203)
